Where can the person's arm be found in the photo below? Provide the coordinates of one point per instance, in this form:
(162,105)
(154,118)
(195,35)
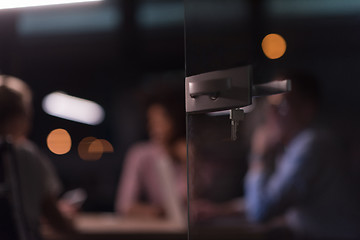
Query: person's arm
(54,217)
(271,195)
(172,204)
(129,184)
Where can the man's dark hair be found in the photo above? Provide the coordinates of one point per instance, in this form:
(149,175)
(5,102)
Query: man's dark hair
(305,85)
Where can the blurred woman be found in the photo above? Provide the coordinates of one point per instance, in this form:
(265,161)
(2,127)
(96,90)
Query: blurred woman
(153,181)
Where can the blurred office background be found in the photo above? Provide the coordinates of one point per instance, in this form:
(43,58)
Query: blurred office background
(107,52)
(110,52)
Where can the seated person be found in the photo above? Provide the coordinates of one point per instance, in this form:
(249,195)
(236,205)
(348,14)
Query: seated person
(37,184)
(299,170)
(153,180)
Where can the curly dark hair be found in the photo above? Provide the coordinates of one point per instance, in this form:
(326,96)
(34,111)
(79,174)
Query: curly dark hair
(173,101)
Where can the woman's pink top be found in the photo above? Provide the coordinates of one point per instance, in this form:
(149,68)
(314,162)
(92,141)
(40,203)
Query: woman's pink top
(148,169)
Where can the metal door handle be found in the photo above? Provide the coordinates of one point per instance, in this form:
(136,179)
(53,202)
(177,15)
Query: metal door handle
(209,87)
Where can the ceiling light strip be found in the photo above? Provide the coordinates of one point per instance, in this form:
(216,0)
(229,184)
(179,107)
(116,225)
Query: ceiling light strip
(38,3)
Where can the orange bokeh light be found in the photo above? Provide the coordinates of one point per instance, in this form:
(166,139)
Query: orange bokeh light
(107,146)
(59,141)
(84,149)
(92,149)
(273,46)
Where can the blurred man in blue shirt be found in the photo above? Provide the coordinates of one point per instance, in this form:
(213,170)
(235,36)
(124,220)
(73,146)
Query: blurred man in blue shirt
(299,170)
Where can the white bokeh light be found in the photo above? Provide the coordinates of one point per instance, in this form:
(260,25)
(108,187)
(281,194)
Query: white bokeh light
(72,108)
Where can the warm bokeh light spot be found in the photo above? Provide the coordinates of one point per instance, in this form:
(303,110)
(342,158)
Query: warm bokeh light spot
(107,146)
(59,141)
(273,46)
(90,149)
(96,147)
